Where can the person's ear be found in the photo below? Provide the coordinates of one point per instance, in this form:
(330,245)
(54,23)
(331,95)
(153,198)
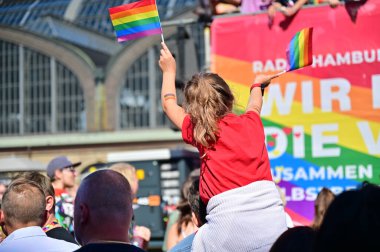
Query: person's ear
(49,203)
(1,217)
(58,174)
(2,223)
(85,213)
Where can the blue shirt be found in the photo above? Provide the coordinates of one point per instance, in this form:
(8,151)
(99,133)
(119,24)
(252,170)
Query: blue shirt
(33,239)
(184,245)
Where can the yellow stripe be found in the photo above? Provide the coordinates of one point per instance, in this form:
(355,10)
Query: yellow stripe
(348,133)
(132,18)
(241,94)
(301,48)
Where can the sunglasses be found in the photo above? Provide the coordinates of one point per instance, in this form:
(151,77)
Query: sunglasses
(70,168)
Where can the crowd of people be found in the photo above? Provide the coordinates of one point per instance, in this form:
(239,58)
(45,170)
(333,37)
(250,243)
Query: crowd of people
(288,8)
(230,204)
(103,221)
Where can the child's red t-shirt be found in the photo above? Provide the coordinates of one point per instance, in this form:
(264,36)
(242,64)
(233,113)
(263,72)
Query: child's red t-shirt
(238,158)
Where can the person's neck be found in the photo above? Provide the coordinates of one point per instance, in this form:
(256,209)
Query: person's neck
(111,236)
(106,241)
(51,218)
(57,184)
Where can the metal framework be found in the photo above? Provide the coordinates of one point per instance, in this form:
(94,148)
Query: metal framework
(139,103)
(37,94)
(40,95)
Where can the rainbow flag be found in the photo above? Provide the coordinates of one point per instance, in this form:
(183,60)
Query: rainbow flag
(300,51)
(135,20)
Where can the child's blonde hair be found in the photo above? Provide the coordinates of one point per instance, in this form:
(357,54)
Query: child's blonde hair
(208,98)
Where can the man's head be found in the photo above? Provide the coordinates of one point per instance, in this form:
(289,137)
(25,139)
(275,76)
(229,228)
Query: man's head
(103,208)
(61,172)
(23,206)
(46,186)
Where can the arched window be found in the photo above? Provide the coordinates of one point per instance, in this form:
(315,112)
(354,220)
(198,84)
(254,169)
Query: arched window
(37,93)
(139,100)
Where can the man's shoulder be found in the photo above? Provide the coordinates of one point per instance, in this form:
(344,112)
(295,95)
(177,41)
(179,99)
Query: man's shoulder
(109,246)
(61,234)
(61,244)
(33,239)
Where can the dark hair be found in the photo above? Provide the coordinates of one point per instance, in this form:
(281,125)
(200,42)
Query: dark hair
(193,196)
(184,206)
(24,203)
(295,239)
(195,202)
(322,202)
(352,222)
(108,198)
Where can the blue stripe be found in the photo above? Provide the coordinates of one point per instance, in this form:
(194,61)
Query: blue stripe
(137,29)
(292,57)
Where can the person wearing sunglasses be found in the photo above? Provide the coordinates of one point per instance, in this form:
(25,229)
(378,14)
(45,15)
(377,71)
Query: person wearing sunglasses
(62,174)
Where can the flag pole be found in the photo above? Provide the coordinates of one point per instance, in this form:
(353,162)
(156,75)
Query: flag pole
(277,74)
(271,78)
(159,20)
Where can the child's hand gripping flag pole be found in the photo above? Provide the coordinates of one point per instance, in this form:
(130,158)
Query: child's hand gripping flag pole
(136,20)
(300,51)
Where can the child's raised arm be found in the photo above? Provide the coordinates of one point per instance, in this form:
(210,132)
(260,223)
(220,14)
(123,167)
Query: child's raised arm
(167,64)
(255,101)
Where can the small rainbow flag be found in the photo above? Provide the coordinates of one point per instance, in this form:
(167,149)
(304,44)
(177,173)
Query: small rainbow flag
(135,20)
(300,51)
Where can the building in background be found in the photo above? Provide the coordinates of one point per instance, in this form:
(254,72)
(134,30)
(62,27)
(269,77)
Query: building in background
(68,88)
(66,83)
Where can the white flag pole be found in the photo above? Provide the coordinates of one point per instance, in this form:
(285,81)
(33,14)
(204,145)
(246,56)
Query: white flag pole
(159,20)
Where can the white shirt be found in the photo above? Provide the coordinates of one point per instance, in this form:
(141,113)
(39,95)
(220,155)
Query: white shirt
(33,239)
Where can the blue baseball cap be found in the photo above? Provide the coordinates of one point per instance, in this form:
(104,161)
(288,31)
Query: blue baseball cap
(59,163)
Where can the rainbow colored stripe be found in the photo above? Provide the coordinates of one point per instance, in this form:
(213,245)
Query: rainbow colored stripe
(300,50)
(135,20)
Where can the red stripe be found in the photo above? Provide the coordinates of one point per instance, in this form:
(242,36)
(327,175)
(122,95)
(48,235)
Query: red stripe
(133,12)
(129,6)
(310,46)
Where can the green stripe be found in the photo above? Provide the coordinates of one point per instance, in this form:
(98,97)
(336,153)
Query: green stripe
(136,23)
(296,51)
